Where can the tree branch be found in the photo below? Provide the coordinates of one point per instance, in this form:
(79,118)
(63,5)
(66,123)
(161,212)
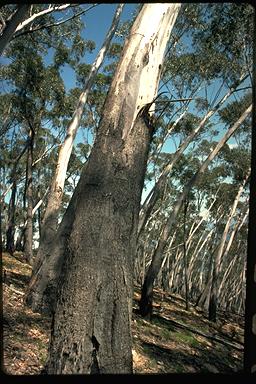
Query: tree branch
(53,24)
(50,9)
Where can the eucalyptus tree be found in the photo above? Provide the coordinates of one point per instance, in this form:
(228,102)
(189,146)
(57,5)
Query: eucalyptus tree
(101,220)
(207,62)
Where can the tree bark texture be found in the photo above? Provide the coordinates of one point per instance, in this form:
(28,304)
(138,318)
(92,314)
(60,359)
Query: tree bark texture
(91,330)
(50,220)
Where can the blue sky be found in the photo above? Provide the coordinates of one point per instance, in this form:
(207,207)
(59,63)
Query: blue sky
(97,22)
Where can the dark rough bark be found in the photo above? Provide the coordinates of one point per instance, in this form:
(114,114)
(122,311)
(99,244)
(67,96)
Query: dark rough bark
(19,245)
(51,215)
(146,301)
(100,248)
(132,90)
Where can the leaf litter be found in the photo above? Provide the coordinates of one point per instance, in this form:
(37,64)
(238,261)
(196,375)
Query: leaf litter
(167,343)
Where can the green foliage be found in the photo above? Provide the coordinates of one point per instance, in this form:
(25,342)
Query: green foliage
(231,113)
(187,125)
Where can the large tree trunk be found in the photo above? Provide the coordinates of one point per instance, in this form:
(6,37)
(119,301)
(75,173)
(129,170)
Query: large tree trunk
(12,24)
(91,331)
(218,255)
(146,302)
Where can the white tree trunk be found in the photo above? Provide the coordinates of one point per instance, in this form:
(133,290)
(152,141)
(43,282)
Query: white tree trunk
(235,230)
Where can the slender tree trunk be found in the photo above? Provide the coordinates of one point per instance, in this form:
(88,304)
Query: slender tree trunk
(201,244)
(10,231)
(147,290)
(235,230)
(11,216)
(186,203)
(28,234)
(173,270)
(12,24)
(218,254)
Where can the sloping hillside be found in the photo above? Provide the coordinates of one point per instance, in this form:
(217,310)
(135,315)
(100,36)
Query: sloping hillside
(174,341)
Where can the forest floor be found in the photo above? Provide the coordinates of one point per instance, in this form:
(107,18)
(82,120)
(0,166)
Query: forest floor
(173,341)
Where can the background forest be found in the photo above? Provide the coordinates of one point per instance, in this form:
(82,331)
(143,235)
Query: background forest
(192,232)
